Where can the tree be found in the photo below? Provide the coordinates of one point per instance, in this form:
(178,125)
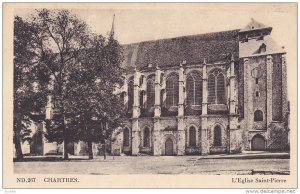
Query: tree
(92,106)
(81,70)
(58,39)
(30,83)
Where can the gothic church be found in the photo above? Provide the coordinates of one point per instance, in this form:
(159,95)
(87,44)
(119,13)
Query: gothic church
(221,92)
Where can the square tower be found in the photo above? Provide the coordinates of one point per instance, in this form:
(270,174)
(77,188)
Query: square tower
(263,89)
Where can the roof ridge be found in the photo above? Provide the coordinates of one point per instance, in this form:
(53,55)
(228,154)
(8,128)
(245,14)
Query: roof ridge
(254,25)
(207,33)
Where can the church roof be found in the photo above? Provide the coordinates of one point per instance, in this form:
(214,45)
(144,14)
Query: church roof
(254,25)
(251,48)
(213,47)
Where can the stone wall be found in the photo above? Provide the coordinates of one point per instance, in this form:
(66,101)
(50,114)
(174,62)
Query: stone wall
(265,74)
(176,126)
(240,80)
(168,130)
(277,88)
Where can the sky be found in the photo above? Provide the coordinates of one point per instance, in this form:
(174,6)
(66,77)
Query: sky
(142,22)
(136,25)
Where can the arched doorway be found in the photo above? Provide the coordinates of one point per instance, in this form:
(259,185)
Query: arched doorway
(258,143)
(217,136)
(169,147)
(126,141)
(192,136)
(146,142)
(126,137)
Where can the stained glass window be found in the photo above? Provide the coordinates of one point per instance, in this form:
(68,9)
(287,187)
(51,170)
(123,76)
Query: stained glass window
(216,87)
(172,90)
(130,93)
(151,91)
(194,89)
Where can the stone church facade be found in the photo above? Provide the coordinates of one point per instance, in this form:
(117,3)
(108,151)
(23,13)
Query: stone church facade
(220,92)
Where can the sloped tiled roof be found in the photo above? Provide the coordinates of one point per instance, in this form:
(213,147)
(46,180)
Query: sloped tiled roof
(251,48)
(170,52)
(254,25)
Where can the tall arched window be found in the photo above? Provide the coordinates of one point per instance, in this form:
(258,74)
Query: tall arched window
(211,89)
(192,136)
(151,91)
(216,87)
(172,90)
(141,98)
(217,136)
(130,93)
(146,137)
(258,115)
(126,137)
(194,88)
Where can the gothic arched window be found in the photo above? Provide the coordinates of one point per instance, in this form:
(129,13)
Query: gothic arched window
(126,137)
(192,136)
(258,115)
(216,87)
(151,91)
(146,137)
(194,89)
(172,90)
(130,93)
(217,136)
(141,98)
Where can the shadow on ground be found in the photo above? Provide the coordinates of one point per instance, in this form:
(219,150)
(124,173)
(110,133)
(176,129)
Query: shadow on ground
(47,159)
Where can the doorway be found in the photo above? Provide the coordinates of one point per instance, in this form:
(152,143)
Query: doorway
(169,147)
(258,143)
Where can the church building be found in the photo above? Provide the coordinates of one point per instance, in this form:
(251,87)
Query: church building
(220,92)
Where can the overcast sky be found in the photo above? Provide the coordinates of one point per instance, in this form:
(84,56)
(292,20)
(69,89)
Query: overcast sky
(136,25)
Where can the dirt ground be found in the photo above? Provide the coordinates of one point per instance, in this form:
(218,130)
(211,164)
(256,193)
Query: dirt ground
(155,165)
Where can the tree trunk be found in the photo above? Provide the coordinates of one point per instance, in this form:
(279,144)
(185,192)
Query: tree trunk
(89,141)
(65,134)
(103,140)
(19,153)
(66,157)
(228,135)
(104,153)
(104,150)
(90,148)
(17,138)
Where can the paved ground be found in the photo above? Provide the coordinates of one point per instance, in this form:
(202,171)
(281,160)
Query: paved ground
(156,165)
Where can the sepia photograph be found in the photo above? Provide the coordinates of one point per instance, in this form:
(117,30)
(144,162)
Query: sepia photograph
(154,90)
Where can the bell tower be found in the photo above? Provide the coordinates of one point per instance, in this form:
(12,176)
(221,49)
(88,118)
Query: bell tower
(264,84)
